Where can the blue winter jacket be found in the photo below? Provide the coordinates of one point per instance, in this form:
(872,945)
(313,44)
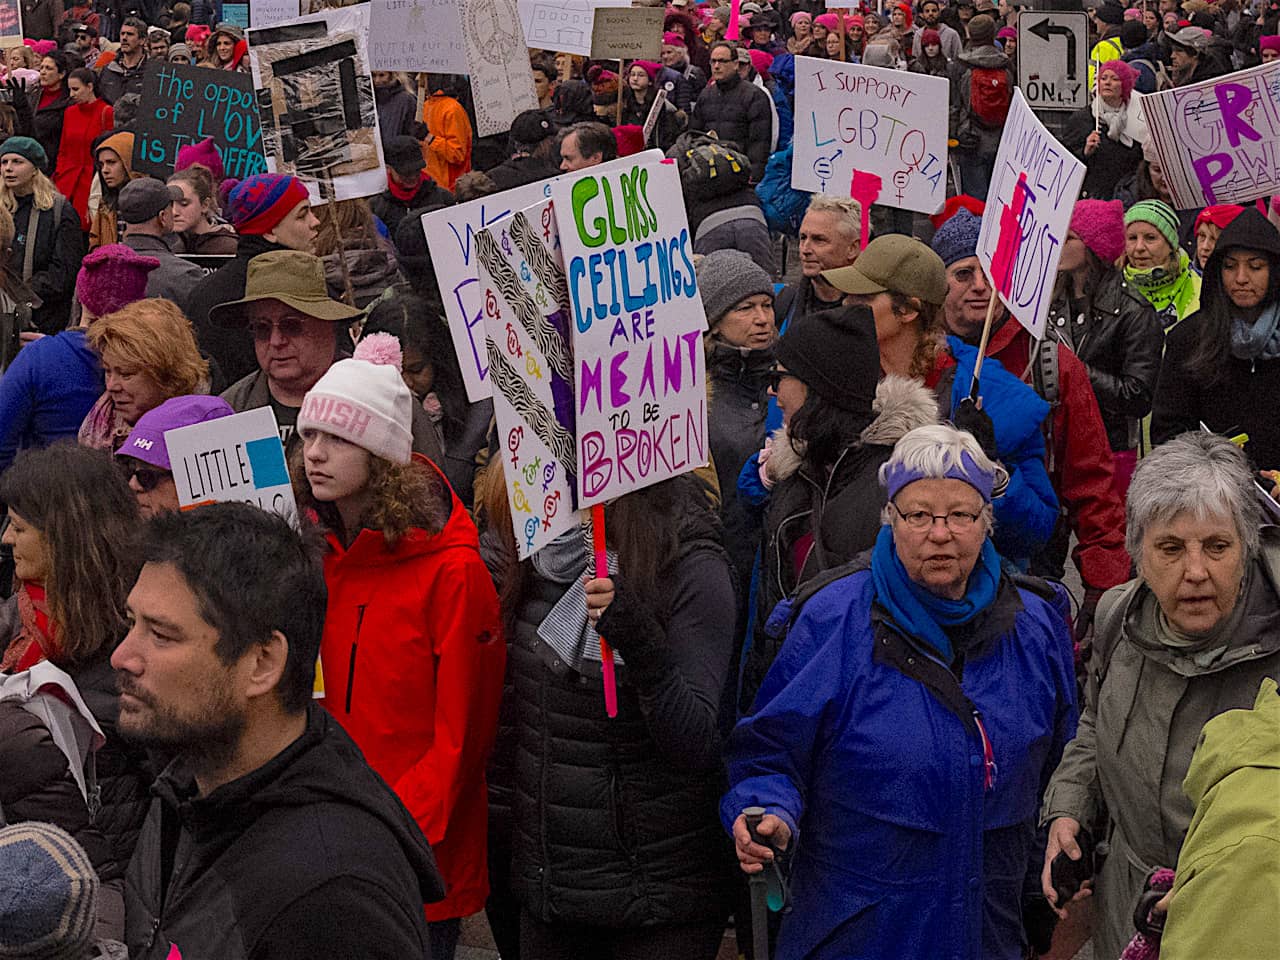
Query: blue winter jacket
(46,392)
(1028,511)
(866,745)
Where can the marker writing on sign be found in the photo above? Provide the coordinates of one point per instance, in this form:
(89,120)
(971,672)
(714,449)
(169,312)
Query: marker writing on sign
(212,471)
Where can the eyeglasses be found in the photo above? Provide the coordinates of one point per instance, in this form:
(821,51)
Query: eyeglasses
(148,477)
(723,60)
(964,275)
(289,327)
(957,521)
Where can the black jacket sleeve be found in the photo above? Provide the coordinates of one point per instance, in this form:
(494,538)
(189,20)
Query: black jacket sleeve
(56,280)
(345,919)
(1176,408)
(1140,342)
(760,132)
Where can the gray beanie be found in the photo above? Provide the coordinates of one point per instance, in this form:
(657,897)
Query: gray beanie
(48,893)
(727,277)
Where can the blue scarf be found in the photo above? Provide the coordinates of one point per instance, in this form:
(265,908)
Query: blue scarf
(920,613)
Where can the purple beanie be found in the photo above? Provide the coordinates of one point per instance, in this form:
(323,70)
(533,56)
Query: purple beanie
(146,440)
(257,204)
(206,154)
(1100,224)
(111,278)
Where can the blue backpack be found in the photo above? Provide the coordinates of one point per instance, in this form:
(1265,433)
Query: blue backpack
(783,205)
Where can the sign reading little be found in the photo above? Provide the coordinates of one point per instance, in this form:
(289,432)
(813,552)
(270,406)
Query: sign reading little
(183,105)
(640,384)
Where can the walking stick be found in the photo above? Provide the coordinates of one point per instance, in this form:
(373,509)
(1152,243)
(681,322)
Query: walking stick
(758,885)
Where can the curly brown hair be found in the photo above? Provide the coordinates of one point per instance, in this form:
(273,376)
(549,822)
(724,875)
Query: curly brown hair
(932,335)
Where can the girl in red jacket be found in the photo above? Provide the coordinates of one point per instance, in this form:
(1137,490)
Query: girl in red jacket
(412,654)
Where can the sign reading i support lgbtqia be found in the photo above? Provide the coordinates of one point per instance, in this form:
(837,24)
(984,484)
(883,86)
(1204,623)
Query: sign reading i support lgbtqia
(1219,140)
(640,380)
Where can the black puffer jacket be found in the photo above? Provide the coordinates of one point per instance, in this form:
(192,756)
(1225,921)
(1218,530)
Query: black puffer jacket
(746,231)
(1116,333)
(1106,166)
(738,111)
(615,819)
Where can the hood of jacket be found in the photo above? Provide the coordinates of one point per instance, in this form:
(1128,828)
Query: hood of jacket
(122,144)
(301,775)
(783,71)
(729,364)
(1234,740)
(901,405)
(988,56)
(1249,231)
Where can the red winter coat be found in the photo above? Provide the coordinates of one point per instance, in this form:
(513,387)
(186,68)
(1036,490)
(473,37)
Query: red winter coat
(82,123)
(1081,470)
(413,658)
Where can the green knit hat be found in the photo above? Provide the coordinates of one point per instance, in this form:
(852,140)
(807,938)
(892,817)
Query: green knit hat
(1157,213)
(28,149)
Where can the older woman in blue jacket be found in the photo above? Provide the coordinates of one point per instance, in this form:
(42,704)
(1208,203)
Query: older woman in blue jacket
(901,740)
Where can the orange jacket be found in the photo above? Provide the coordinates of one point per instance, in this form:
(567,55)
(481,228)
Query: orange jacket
(413,658)
(449,152)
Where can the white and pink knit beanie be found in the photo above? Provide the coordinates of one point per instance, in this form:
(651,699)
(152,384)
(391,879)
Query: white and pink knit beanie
(364,401)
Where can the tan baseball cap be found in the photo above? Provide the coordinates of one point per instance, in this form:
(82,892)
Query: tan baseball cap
(897,263)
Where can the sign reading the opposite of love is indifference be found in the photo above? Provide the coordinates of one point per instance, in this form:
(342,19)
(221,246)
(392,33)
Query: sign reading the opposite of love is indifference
(450,234)
(237,458)
(872,120)
(527,321)
(1033,191)
(184,105)
(416,35)
(640,383)
(1219,140)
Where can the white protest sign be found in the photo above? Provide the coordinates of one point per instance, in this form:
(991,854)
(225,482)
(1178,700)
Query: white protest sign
(450,234)
(416,35)
(872,120)
(640,381)
(651,121)
(627,33)
(237,458)
(501,83)
(527,321)
(1033,191)
(561,25)
(268,13)
(1053,50)
(1219,141)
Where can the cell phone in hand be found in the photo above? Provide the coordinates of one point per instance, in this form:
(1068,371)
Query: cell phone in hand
(1067,875)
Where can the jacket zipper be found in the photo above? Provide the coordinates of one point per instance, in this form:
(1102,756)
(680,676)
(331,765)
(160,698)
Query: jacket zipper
(351,665)
(988,754)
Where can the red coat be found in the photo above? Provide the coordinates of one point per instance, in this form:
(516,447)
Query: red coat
(1081,470)
(81,125)
(413,658)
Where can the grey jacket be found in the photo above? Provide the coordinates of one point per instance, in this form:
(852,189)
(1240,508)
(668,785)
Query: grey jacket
(1139,729)
(175,278)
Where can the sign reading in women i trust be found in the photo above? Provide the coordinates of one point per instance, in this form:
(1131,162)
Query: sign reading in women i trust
(640,383)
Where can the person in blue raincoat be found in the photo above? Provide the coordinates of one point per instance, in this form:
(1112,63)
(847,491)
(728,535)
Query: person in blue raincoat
(903,736)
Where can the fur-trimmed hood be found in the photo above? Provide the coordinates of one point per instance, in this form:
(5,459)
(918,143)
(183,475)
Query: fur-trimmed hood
(901,405)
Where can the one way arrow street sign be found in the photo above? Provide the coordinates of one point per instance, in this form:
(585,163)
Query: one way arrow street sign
(1052,50)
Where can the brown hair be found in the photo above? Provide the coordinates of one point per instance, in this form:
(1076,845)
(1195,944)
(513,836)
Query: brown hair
(201,179)
(154,336)
(931,333)
(349,219)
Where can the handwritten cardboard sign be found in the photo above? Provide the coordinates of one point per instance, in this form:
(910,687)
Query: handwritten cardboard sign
(1033,191)
(237,458)
(450,236)
(10,23)
(416,35)
(889,123)
(627,33)
(527,324)
(182,105)
(267,13)
(561,25)
(640,383)
(1219,140)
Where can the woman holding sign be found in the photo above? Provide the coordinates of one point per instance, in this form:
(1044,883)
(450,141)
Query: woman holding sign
(85,120)
(1107,136)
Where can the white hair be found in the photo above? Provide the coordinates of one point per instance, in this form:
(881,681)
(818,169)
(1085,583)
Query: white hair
(847,211)
(931,452)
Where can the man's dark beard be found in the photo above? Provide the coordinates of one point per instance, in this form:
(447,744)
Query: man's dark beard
(208,741)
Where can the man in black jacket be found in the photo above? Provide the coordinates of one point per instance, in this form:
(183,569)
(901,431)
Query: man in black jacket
(270,836)
(736,109)
(409,186)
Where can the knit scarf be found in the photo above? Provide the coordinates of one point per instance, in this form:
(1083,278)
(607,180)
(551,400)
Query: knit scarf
(102,429)
(1164,289)
(1124,125)
(922,614)
(38,637)
(406,194)
(1258,340)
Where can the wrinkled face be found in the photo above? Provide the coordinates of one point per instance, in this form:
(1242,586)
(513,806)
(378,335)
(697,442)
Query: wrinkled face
(1206,240)
(1246,277)
(130,40)
(291,347)
(188,212)
(1110,88)
(723,63)
(154,487)
(789,391)
(49,75)
(1182,58)
(825,243)
(1145,246)
(336,468)
(80,92)
(226,47)
(19,173)
(133,391)
(672,55)
(749,323)
(941,556)
(13,58)
(638,79)
(113,170)
(968,294)
(1195,568)
(1075,255)
(297,230)
(30,549)
(833,44)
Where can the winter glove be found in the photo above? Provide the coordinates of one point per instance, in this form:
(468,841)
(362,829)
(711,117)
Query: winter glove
(970,417)
(630,627)
(1088,607)
(17,98)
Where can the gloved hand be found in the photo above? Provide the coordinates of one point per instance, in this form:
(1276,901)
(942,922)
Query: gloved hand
(1088,607)
(969,416)
(631,628)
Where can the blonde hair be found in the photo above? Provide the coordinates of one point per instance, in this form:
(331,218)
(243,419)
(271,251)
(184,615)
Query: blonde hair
(154,336)
(7,230)
(847,211)
(44,193)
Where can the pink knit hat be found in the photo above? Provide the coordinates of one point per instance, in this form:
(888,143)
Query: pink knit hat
(1100,224)
(1268,43)
(649,67)
(42,47)
(671,39)
(111,278)
(761,61)
(1128,76)
(206,154)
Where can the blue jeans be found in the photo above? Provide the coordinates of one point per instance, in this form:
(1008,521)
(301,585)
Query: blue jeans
(975,173)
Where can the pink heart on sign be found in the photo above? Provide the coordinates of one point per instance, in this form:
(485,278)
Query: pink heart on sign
(865,188)
(174,952)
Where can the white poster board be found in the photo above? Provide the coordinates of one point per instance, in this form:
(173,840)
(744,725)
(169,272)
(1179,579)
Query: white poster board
(1053,52)
(237,458)
(561,25)
(416,35)
(268,13)
(450,234)
(1217,140)
(527,322)
(1033,191)
(501,81)
(890,123)
(315,98)
(640,380)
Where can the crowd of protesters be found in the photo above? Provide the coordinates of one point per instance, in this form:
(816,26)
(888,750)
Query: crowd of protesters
(849,670)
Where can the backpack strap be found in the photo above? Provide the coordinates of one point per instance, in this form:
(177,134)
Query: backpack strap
(748,211)
(33,230)
(1107,627)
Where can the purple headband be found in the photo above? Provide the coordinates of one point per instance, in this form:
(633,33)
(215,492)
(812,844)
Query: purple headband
(898,475)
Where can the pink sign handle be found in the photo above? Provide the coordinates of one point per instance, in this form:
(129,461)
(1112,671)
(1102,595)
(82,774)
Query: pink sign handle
(865,188)
(731,32)
(602,572)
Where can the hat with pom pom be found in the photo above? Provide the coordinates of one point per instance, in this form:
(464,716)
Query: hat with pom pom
(364,401)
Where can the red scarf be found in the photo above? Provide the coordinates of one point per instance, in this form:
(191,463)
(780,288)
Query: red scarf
(406,194)
(36,641)
(48,95)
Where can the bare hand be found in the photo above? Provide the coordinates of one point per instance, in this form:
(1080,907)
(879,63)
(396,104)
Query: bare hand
(1062,836)
(1273,477)
(1091,143)
(30,336)
(1162,905)
(599,596)
(752,856)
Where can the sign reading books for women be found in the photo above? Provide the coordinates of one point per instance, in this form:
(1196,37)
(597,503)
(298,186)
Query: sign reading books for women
(237,458)
(871,120)
(1219,140)
(640,382)
(527,321)
(1033,191)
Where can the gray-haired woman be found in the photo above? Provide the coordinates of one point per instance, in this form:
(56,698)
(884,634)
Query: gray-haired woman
(1192,637)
